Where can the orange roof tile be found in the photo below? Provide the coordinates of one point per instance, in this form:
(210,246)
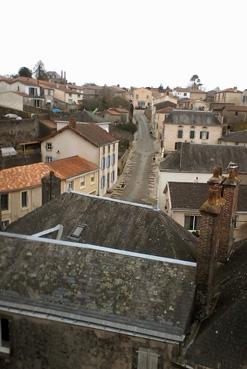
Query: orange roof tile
(71,167)
(28,176)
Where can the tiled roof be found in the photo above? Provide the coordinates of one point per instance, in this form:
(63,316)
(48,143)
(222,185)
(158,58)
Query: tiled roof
(90,132)
(192,117)
(196,158)
(70,167)
(110,289)
(238,108)
(24,80)
(230,90)
(28,176)
(238,137)
(221,340)
(24,176)
(198,194)
(112,223)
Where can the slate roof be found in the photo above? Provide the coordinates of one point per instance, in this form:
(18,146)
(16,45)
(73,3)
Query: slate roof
(192,117)
(111,223)
(90,132)
(28,176)
(196,158)
(198,194)
(239,136)
(113,290)
(221,342)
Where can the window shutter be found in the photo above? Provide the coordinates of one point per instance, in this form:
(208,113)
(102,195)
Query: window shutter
(142,359)
(152,360)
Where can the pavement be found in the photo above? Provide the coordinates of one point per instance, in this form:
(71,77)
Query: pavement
(139,180)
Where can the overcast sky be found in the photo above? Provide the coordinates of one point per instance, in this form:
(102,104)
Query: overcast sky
(128,42)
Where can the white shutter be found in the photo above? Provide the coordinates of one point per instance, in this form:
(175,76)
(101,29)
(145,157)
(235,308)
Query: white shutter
(142,359)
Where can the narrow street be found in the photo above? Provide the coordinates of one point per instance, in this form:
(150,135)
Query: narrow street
(138,182)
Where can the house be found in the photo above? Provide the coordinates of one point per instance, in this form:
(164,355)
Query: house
(185,209)
(117,115)
(190,126)
(234,116)
(20,93)
(182,93)
(141,98)
(88,141)
(229,95)
(194,163)
(21,191)
(67,302)
(234,138)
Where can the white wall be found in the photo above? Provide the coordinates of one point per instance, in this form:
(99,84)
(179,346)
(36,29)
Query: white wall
(165,177)
(11,100)
(171,135)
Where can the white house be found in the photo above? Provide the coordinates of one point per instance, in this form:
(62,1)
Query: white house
(88,141)
(195,163)
(185,209)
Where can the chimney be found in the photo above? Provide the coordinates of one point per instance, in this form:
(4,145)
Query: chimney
(230,194)
(61,74)
(208,241)
(72,122)
(51,187)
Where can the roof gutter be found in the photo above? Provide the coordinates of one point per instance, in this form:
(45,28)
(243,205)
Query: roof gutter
(88,322)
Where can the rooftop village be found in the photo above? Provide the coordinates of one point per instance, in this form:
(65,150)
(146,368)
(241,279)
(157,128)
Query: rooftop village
(103,270)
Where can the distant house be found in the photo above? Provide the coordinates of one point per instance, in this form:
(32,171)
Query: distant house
(141,98)
(117,115)
(195,163)
(88,141)
(20,93)
(185,209)
(190,126)
(229,95)
(234,138)
(20,187)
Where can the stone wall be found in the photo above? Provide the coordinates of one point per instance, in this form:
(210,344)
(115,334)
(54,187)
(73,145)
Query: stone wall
(42,344)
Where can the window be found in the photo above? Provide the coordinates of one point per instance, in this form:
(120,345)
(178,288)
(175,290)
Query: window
(180,133)
(24,199)
(147,359)
(48,146)
(103,163)
(48,159)
(103,149)
(77,232)
(113,159)
(82,182)
(4,336)
(204,135)
(192,134)
(177,145)
(108,161)
(103,182)
(4,201)
(113,147)
(113,176)
(192,222)
(71,185)
(92,178)
(4,224)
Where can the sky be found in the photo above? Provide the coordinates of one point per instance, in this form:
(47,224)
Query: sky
(128,42)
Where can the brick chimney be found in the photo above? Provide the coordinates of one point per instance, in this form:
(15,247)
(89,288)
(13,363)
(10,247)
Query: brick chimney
(51,187)
(207,247)
(72,122)
(230,194)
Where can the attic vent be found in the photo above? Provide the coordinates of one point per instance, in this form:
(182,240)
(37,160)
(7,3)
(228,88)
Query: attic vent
(77,231)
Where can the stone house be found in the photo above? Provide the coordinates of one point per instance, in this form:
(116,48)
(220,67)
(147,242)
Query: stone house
(194,163)
(88,141)
(197,127)
(21,190)
(185,209)
(110,295)
(229,95)
(117,115)
(142,98)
